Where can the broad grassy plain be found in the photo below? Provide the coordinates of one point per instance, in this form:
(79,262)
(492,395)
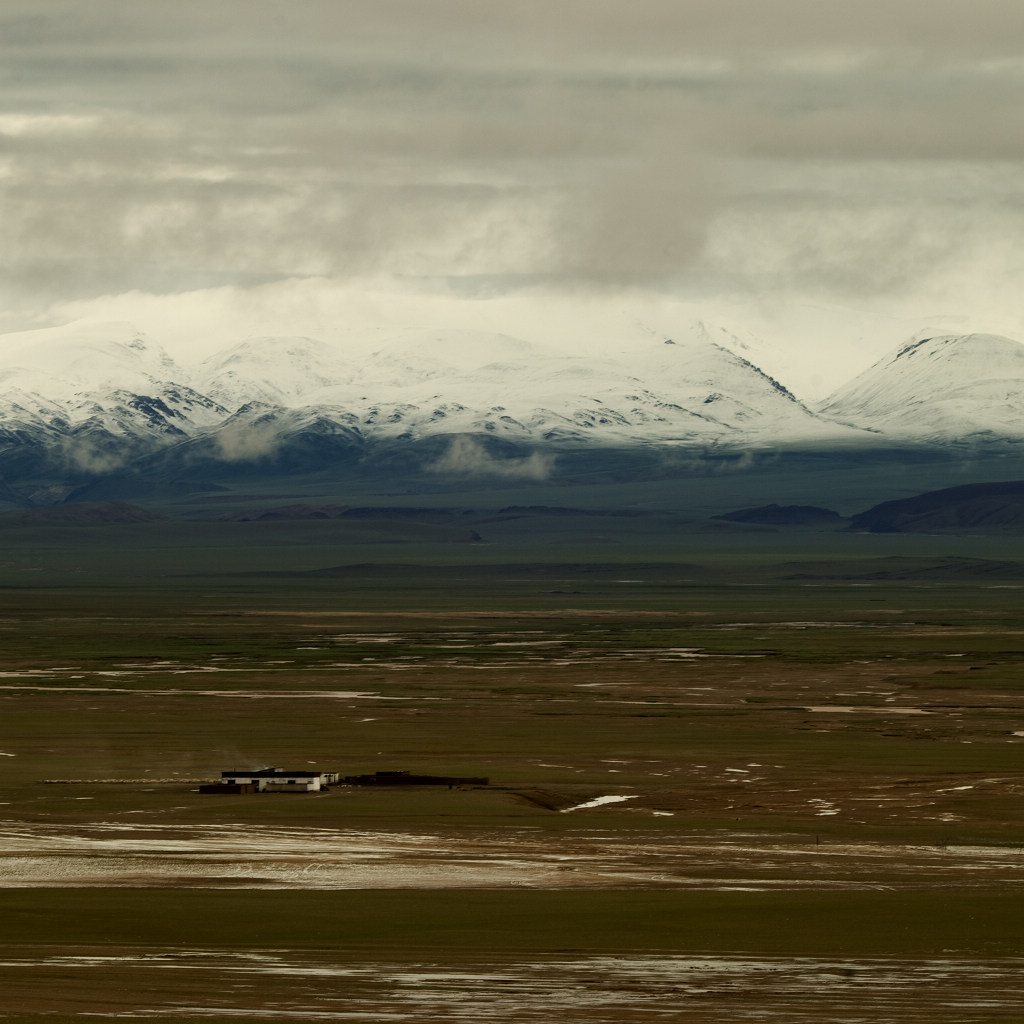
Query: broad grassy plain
(816,739)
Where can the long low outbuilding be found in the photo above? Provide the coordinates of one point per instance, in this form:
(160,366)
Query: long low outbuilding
(408,779)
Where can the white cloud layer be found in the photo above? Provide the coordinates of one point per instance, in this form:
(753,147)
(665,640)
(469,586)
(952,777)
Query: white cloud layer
(775,153)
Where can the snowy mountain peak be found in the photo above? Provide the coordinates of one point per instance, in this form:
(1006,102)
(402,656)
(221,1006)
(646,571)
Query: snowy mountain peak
(83,357)
(947,386)
(274,370)
(980,349)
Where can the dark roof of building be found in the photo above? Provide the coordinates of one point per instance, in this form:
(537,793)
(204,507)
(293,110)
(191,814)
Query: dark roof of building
(273,773)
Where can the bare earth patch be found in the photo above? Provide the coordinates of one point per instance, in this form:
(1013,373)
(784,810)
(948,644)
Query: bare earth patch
(282,985)
(227,856)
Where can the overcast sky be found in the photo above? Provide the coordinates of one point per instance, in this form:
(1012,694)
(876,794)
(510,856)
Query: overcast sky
(863,155)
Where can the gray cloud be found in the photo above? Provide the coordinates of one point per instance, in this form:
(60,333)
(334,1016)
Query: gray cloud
(247,442)
(163,147)
(579,29)
(467,457)
(84,457)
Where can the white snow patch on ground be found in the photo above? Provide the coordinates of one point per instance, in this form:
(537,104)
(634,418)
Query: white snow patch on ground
(849,709)
(597,802)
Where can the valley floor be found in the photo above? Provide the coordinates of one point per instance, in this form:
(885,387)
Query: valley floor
(743,813)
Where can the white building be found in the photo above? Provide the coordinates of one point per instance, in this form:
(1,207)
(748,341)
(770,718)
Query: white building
(278,780)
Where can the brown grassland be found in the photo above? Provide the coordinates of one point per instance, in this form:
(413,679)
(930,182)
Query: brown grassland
(719,792)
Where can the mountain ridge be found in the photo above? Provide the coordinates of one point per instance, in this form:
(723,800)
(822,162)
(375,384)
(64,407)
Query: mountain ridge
(90,400)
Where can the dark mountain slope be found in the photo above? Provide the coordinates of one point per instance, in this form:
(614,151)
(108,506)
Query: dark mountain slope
(784,515)
(981,507)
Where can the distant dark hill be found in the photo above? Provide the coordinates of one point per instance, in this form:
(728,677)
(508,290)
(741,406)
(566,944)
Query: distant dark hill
(374,524)
(88,514)
(923,569)
(133,488)
(784,515)
(381,513)
(985,507)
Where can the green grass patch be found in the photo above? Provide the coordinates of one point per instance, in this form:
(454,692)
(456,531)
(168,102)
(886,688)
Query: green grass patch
(968,922)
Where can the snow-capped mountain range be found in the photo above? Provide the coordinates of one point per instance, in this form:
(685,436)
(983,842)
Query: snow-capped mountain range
(96,398)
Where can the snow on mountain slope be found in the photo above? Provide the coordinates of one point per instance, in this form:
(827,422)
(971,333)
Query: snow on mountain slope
(425,383)
(92,396)
(75,372)
(946,387)
(703,373)
(103,393)
(84,357)
(275,370)
(100,396)
(460,349)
